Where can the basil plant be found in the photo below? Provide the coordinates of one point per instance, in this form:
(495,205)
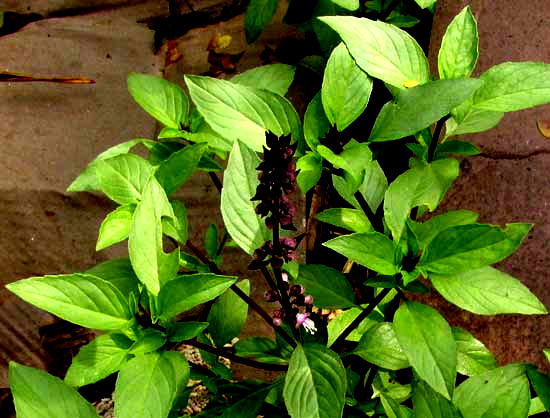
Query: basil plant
(353,335)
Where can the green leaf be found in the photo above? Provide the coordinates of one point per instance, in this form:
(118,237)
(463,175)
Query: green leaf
(178,226)
(541,384)
(513,86)
(351,219)
(163,100)
(115,227)
(337,325)
(351,5)
(36,394)
(119,273)
(211,240)
(239,112)
(456,147)
(150,340)
(382,50)
(425,3)
(316,123)
(87,180)
(148,385)
(258,15)
(536,406)
(310,168)
(95,361)
(372,250)
(181,331)
(249,406)
(425,184)
(425,232)
(152,265)
(466,247)
(385,386)
(473,357)
(467,119)
(402,21)
(546,353)
(394,410)
(261,348)
(488,291)
(502,392)
(430,404)
(459,47)
(330,288)
(178,168)
(346,89)
(80,298)
(276,78)
(124,177)
(228,315)
(427,341)
(419,107)
(188,291)
(315,384)
(380,346)
(240,181)
(203,132)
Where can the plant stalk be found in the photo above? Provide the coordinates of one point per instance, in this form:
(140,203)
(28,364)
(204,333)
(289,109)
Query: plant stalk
(435,137)
(237,359)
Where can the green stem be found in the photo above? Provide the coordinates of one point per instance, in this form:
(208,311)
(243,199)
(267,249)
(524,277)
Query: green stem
(237,359)
(366,312)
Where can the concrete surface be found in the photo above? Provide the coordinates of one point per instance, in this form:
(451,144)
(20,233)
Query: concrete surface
(509,183)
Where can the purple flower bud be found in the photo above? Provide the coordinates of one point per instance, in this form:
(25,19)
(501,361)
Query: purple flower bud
(308,300)
(277,321)
(296,289)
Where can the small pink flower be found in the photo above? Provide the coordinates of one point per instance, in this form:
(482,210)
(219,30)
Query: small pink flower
(308,300)
(308,324)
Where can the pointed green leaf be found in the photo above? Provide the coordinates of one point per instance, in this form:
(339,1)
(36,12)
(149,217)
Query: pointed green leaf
(178,226)
(352,219)
(385,386)
(249,406)
(228,315)
(460,46)
(488,291)
(372,250)
(466,247)
(261,348)
(95,361)
(502,392)
(467,119)
(36,394)
(337,325)
(148,385)
(346,88)
(258,15)
(123,178)
(315,384)
(425,3)
(115,227)
(424,184)
(430,404)
(87,180)
(541,384)
(316,123)
(152,265)
(513,86)
(178,168)
(80,298)
(419,107)
(240,180)
(240,112)
(181,331)
(330,288)
(473,357)
(425,232)
(427,341)
(402,21)
(119,273)
(188,291)
(310,168)
(382,50)
(163,100)
(380,346)
(456,147)
(276,78)
(351,5)
(150,340)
